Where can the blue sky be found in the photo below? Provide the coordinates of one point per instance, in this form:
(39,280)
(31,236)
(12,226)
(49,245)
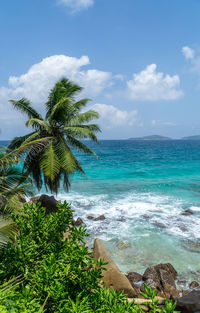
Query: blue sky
(139,60)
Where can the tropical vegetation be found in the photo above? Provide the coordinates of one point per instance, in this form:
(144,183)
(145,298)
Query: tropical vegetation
(44,269)
(65,125)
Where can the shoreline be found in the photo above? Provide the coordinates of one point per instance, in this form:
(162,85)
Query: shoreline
(184,285)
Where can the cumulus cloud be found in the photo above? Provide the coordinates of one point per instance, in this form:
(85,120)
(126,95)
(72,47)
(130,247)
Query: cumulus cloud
(113,117)
(194,59)
(40,78)
(150,85)
(77,5)
(188,52)
(36,83)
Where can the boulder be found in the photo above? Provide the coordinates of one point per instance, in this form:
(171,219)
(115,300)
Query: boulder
(99,218)
(152,276)
(190,303)
(113,277)
(134,277)
(47,202)
(123,245)
(160,225)
(187,212)
(90,217)
(78,222)
(161,277)
(194,284)
(167,267)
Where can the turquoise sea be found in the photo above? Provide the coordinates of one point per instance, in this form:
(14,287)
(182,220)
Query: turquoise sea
(142,188)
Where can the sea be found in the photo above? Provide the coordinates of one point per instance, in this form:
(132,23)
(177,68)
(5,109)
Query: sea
(143,189)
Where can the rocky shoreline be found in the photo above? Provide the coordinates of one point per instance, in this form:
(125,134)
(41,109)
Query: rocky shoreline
(162,277)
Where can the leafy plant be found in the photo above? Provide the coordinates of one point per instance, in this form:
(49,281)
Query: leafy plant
(154,306)
(66,125)
(43,271)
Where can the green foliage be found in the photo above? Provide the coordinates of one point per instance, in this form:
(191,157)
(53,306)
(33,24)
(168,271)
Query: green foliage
(42,271)
(154,307)
(13,183)
(64,125)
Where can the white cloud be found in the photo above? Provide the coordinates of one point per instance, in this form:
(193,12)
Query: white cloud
(113,117)
(36,83)
(194,59)
(41,77)
(188,52)
(153,122)
(150,85)
(77,5)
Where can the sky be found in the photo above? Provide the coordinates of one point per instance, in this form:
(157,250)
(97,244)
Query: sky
(138,60)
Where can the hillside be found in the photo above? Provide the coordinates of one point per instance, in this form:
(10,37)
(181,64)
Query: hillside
(152,137)
(196,137)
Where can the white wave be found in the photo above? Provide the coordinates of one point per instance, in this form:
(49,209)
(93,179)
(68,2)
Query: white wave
(153,212)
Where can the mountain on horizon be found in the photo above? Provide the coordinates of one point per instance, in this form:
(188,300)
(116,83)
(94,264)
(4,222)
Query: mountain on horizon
(196,137)
(152,137)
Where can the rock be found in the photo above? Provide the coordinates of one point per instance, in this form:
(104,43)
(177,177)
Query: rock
(194,284)
(190,303)
(35,199)
(90,217)
(193,246)
(146,216)
(185,292)
(187,212)
(99,218)
(150,282)
(113,277)
(78,222)
(169,268)
(168,284)
(22,198)
(134,277)
(160,225)
(151,275)
(47,202)
(162,277)
(123,245)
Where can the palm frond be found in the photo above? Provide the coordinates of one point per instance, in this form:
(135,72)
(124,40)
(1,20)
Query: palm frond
(64,88)
(80,132)
(79,105)
(38,124)
(84,117)
(7,231)
(50,163)
(17,154)
(23,105)
(61,110)
(80,146)
(65,156)
(18,141)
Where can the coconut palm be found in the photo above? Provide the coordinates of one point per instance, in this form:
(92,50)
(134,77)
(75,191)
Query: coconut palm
(66,125)
(13,184)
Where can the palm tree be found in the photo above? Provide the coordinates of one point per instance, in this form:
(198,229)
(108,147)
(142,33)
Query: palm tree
(13,184)
(65,125)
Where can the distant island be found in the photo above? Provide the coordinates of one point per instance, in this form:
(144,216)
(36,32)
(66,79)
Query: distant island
(152,137)
(197,137)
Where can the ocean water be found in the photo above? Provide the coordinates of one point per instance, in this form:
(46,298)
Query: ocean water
(142,188)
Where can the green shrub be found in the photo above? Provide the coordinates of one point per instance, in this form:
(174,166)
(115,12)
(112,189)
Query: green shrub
(41,272)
